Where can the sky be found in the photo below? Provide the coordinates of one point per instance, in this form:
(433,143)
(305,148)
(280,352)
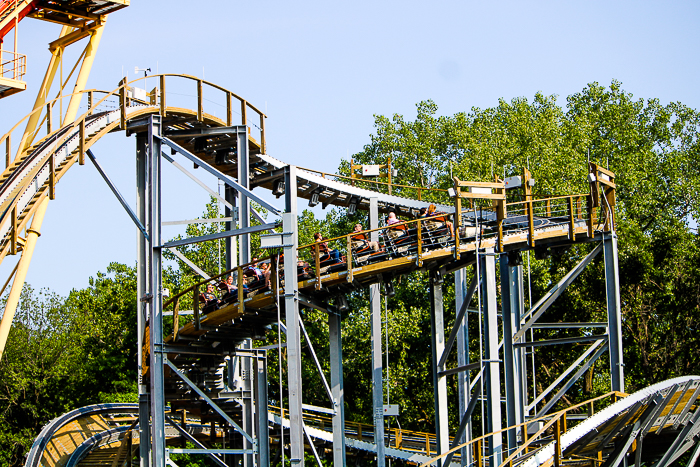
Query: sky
(322,70)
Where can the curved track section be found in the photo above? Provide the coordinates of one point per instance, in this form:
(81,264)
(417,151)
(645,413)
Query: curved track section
(654,427)
(59,438)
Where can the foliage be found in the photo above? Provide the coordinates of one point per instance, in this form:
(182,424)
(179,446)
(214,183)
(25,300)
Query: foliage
(62,354)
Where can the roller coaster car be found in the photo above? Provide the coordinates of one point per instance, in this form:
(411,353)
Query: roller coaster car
(401,240)
(209,304)
(436,232)
(304,271)
(232,296)
(362,253)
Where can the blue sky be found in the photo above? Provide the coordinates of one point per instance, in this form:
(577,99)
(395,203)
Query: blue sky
(321,70)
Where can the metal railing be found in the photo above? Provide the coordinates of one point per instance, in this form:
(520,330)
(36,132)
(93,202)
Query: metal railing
(397,438)
(13,65)
(549,428)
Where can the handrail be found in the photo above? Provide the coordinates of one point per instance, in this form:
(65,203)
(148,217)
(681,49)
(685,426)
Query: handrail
(212,278)
(123,86)
(352,234)
(553,198)
(551,418)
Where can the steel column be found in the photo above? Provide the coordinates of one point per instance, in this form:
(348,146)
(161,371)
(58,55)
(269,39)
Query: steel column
(154,292)
(247,367)
(463,378)
(231,242)
(141,281)
(144,430)
(291,304)
(612,288)
(260,397)
(336,351)
(512,307)
(437,334)
(492,378)
(375,306)
(243,201)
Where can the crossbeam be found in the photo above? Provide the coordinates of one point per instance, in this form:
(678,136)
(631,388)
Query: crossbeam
(221,176)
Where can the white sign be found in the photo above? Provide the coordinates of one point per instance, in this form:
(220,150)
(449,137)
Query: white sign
(480,190)
(391,410)
(370,170)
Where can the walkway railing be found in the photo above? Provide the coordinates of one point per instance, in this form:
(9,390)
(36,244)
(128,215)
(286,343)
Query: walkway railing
(13,65)
(188,92)
(550,428)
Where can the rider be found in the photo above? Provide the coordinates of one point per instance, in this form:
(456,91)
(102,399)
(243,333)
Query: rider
(210,299)
(360,240)
(391,219)
(326,253)
(435,223)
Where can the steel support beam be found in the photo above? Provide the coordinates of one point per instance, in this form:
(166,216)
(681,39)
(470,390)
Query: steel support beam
(154,291)
(612,288)
(141,281)
(116,193)
(21,274)
(437,334)
(492,379)
(462,299)
(243,201)
(81,79)
(336,354)
(261,408)
(291,304)
(512,309)
(231,242)
(375,306)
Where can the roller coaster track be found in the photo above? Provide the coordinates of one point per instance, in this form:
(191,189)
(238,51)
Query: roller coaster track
(198,348)
(656,425)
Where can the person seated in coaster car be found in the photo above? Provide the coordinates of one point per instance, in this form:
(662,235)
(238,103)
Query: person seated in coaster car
(360,242)
(327,255)
(398,229)
(209,299)
(266,270)
(254,270)
(303,269)
(437,222)
(230,290)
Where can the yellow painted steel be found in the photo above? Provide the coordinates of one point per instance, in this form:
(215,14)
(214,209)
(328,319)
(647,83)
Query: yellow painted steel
(56,57)
(23,267)
(81,80)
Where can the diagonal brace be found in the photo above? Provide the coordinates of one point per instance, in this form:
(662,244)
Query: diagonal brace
(463,424)
(458,321)
(197,181)
(541,306)
(225,178)
(209,401)
(572,380)
(185,260)
(195,441)
(561,377)
(318,365)
(119,196)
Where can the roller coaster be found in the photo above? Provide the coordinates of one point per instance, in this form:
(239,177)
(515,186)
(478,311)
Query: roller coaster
(205,384)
